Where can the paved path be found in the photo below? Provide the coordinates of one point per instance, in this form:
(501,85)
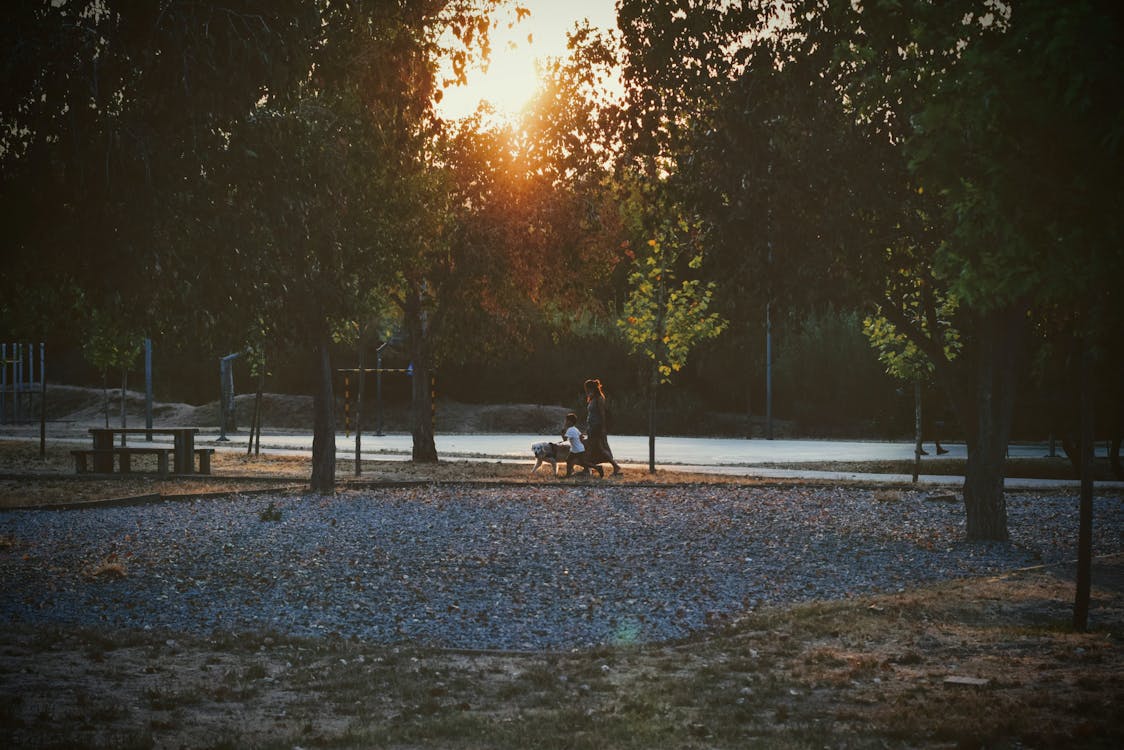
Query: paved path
(732,456)
(634,448)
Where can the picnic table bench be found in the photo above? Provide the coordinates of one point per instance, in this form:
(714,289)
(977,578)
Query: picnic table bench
(183,451)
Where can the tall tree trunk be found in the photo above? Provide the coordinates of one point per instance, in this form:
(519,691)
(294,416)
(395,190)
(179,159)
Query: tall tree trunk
(323,423)
(421,405)
(1000,342)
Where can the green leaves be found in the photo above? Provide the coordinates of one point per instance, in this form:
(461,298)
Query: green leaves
(665,317)
(109,344)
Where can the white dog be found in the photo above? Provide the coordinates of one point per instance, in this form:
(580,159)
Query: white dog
(550,453)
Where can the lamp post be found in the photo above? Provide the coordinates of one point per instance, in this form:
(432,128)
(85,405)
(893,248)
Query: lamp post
(378,388)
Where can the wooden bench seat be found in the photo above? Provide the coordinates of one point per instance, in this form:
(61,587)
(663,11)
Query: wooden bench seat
(124,455)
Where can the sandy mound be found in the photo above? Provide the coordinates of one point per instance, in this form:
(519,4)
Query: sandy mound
(87,407)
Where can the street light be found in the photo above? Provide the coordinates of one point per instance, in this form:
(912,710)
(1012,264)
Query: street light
(378,387)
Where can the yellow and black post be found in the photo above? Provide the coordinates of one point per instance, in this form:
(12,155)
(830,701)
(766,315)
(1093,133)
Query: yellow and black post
(347,405)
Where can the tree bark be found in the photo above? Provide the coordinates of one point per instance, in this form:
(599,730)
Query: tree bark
(421,405)
(323,424)
(1000,341)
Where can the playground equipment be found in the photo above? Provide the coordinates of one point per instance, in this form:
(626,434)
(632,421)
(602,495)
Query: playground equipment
(18,378)
(359,372)
(20,381)
(378,370)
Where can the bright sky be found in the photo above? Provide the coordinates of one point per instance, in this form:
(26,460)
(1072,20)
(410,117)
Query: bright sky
(511,78)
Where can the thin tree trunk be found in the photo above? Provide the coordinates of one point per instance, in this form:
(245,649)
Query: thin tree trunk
(42,404)
(748,404)
(916,430)
(124,387)
(323,424)
(261,415)
(1117,426)
(255,427)
(1085,516)
(653,385)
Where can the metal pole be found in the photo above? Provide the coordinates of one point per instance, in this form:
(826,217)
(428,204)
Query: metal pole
(148,388)
(768,373)
(378,388)
(222,438)
(42,400)
(769,303)
(17,382)
(3,382)
(362,375)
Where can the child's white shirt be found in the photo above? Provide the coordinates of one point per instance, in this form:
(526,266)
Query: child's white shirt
(574,435)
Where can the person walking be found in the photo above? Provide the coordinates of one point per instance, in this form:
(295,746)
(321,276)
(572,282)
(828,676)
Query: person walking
(595,424)
(578,454)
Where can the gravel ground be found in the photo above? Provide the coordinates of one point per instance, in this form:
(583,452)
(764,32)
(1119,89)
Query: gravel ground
(552,567)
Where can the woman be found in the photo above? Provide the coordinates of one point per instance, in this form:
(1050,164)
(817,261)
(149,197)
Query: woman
(595,425)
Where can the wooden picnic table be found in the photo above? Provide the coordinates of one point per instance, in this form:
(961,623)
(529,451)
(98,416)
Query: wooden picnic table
(183,450)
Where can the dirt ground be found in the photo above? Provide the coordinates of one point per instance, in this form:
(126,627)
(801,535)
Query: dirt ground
(26,480)
(979,663)
(989,663)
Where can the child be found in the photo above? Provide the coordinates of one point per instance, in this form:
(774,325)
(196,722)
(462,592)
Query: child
(577,449)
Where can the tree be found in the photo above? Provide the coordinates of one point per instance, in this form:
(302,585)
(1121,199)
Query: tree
(109,346)
(929,311)
(301,192)
(1021,180)
(977,205)
(159,108)
(109,111)
(755,142)
(508,202)
(665,317)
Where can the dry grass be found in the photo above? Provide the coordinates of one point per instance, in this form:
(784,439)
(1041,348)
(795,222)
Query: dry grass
(869,672)
(36,482)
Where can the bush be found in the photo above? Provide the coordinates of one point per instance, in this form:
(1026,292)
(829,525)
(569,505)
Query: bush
(828,378)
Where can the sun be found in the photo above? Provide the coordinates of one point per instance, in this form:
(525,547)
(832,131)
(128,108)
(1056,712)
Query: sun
(506,85)
(511,77)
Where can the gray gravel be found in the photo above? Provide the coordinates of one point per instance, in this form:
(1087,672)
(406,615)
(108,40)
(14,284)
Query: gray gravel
(521,567)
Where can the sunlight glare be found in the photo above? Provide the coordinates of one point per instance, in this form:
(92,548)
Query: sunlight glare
(511,78)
